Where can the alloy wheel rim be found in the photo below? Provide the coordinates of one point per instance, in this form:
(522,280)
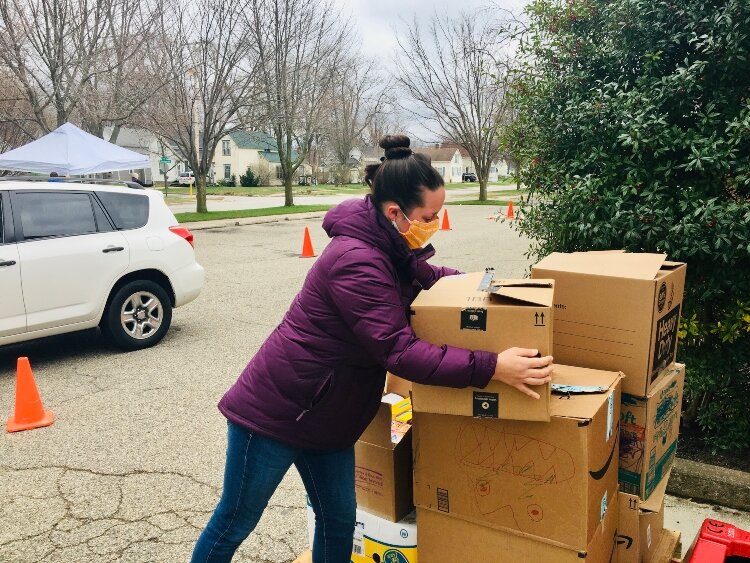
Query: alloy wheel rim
(141,315)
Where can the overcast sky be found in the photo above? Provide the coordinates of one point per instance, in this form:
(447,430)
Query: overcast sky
(376,20)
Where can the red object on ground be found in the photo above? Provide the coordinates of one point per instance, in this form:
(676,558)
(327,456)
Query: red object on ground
(307,247)
(446,222)
(718,540)
(511,214)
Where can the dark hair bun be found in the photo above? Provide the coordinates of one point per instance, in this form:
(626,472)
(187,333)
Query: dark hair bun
(396,146)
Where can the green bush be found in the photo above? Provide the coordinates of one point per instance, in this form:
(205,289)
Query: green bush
(249,179)
(635,120)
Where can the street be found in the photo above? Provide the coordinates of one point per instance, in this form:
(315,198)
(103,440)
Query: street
(231,202)
(132,468)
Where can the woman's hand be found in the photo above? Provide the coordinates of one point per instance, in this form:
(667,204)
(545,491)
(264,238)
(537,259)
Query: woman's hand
(520,367)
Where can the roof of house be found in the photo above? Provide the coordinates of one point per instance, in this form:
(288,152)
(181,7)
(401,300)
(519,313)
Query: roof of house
(273,156)
(257,140)
(438,155)
(461,148)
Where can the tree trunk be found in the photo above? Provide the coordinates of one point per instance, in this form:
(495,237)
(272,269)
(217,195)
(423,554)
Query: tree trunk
(200,198)
(288,195)
(483,187)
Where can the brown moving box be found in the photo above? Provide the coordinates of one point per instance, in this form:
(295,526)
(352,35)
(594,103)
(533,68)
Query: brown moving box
(455,311)
(616,311)
(446,539)
(648,433)
(383,471)
(669,547)
(552,480)
(640,528)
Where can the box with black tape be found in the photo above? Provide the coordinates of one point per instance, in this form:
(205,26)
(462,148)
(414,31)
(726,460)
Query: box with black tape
(479,312)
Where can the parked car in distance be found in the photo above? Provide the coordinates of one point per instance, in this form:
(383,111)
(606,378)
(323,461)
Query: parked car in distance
(186,178)
(468,177)
(77,256)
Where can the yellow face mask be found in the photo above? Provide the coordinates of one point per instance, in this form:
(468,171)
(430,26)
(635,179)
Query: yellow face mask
(419,233)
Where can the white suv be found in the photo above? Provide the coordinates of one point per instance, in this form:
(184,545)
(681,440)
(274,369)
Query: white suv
(77,256)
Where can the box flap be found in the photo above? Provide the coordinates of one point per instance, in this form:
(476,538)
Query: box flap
(378,433)
(655,501)
(671,265)
(641,266)
(664,381)
(585,406)
(535,292)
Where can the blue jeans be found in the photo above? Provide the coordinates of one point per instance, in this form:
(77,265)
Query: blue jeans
(254,468)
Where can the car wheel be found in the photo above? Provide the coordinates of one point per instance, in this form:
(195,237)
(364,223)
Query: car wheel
(138,315)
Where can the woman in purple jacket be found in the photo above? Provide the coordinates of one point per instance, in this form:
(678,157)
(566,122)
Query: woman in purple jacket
(316,382)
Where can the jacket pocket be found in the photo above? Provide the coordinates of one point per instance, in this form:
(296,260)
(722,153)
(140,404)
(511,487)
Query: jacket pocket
(321,395)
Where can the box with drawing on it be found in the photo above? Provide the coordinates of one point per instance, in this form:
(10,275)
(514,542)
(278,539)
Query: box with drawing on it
(616,311)
(478,312)
(553,481)
(445,538)
(649,430)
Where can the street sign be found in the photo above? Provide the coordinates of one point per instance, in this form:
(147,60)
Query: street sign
(165,160)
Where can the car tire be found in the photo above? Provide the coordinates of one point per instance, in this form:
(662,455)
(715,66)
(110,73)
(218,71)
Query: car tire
(138,315)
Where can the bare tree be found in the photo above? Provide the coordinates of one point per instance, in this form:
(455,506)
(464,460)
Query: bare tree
(204,50)
(16,125)
(69,58)
(387,122)
(359,96)
(298,45)
(117,96)
(456,70)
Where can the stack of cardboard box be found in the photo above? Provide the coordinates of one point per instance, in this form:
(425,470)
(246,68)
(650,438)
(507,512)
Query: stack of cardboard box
(499,476)
(615,310)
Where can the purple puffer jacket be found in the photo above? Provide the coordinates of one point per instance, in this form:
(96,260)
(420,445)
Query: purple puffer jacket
(316,382)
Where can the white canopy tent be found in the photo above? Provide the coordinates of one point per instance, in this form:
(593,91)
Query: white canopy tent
(69,150)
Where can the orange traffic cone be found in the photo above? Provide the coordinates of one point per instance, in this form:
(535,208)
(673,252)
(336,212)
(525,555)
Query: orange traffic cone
(307,249)
(29,412)
(446,222)
(510,215)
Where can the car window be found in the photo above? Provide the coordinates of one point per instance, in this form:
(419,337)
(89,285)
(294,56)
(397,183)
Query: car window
(2,227)
(45,214)
(103,224)
(128,211)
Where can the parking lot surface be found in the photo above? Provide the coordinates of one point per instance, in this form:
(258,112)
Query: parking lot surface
(132,467)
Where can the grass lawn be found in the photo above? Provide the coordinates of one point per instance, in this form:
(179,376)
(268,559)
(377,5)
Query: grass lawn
(243,213)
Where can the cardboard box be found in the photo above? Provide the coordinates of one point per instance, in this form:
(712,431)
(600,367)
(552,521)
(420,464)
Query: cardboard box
(455,311)
(669,547)
(639,529)
(552,480)
(383,471)
(377,539)
(616,311)
(445,539)
(648,433)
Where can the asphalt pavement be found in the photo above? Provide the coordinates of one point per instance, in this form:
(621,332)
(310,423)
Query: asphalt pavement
(132,468)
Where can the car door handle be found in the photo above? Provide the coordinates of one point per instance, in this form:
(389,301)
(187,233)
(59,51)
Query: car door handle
(113,249)
(7,263)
